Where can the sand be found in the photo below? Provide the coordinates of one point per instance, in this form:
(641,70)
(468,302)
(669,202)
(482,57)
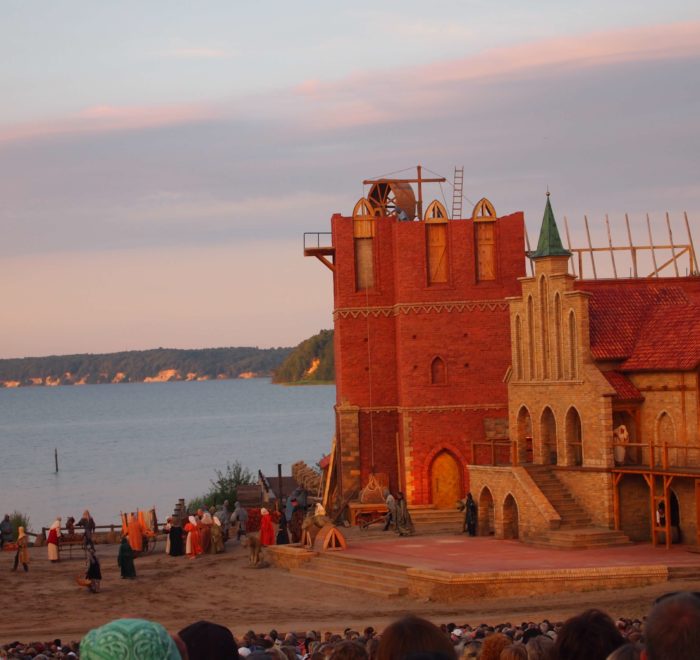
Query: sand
(47,603)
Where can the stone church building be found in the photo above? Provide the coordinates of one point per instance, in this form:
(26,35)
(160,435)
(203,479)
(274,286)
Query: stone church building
(568,407)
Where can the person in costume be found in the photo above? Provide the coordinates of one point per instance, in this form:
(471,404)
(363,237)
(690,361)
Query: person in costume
(404,524)
(94,572)
(125,559)
(88,524)
(282,532)
(53,540)
(240,516)
(194,546)
(391,510)
(175,548)
(205,525)
(7,534)
(470,515)
(296,521)
(267,531)
(129,639)
(22,554)
(217,537)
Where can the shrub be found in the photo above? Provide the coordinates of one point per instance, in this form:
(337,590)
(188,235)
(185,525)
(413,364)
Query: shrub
(19,519)
(224,487)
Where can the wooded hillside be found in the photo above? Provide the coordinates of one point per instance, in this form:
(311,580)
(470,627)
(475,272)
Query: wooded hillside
(312,361)
(156,365)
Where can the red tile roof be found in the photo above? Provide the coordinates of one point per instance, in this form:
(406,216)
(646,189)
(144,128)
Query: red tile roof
(651,325)
(624,390)
(670,341)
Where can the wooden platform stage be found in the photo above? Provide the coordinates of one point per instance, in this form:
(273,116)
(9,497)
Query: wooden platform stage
(450,568)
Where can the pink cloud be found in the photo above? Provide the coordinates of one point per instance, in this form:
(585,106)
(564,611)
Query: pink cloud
(106,118)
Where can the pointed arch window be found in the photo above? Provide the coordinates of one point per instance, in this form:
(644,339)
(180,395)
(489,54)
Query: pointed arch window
(530,339)
(363,234)
(544,329)
(436,242)
(573,347)
(484,218)
(559,367)
(438,371)
(518,348)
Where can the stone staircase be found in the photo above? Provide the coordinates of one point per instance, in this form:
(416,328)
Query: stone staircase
(684,572)
(429,520)
(576,529)
(372,577)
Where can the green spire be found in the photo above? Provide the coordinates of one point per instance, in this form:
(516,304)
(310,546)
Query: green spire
(549,244)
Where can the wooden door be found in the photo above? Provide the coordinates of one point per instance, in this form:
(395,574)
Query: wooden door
(445,481)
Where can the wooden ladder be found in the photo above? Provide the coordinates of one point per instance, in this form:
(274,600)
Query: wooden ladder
(656,499)
(457,189)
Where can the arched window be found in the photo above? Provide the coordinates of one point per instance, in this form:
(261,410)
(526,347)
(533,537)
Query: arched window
(484,218)
(558,339)
(438,371)
(574,438)
(573,347)
(363,233)
(436,242)
(665,436)
(518,348)
(544,326)
(530,338)
(548,437)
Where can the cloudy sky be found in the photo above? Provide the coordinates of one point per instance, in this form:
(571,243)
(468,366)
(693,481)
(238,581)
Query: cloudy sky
(160,161)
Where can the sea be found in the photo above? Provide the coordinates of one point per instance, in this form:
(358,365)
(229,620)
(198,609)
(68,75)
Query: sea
(137,445)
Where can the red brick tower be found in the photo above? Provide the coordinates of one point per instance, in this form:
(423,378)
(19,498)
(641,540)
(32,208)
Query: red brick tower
(422,339)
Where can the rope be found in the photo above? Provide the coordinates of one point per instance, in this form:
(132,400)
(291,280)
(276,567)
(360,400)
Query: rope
(369,369)
(464,197)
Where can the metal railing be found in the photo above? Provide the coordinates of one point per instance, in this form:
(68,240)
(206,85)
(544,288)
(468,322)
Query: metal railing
(313,241)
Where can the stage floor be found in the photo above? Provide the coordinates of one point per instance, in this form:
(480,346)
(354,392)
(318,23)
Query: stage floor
(462,554)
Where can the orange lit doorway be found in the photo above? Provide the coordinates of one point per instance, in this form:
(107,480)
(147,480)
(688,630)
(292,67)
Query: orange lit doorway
(445,481)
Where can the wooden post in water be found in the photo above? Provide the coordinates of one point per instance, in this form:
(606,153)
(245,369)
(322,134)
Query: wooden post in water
(55,458)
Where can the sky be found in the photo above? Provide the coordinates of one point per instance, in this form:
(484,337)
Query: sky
(160,161)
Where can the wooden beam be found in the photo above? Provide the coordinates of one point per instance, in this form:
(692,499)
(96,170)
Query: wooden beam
(590,247)
(673,247)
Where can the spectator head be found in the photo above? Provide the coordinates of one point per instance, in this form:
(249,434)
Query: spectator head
(129,637)
(208,641)
(588,636)
(412,635)
(629,651)
(492,646)
(349,650)
(514,652)
(540,648)
(471,650)
(672,629)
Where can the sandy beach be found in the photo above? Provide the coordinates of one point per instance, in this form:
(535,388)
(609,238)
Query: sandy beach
(47,602)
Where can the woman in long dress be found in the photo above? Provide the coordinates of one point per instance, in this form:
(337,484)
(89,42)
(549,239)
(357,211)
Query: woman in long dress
(94,572)
(194,546)
(175,538)
(53,540)
(267,531)
(22,554)
(205,524)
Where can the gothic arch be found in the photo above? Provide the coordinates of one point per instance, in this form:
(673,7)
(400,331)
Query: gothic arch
(363,209)
(531,338)
(524,437)
(573,346)
(574,437)
(544,324)
(510,517)
(446,479)
(363,234)
(558,339)
(548,437)
(438,371)
(435,212)
(665,434)
(486,513)
(483,209)
(518,348)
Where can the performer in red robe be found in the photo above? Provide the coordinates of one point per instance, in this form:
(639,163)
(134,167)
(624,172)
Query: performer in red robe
(267,532)
(53,540)
(193,545)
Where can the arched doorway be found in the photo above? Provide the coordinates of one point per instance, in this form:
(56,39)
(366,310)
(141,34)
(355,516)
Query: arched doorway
(486,513)
(510,518)
(445,481)
(574,442)
(548,437)
(524,436)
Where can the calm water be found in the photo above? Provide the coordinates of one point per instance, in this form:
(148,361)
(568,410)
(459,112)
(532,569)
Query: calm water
(137,445)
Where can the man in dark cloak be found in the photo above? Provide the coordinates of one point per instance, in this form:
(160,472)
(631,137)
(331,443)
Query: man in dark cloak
(175,535)
(470,516)
(125,559)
